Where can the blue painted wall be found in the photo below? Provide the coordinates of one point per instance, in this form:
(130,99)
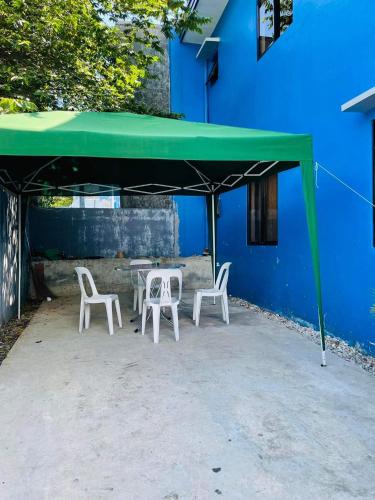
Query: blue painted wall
(186,75)
(325,58)
(187,97)
(192,229)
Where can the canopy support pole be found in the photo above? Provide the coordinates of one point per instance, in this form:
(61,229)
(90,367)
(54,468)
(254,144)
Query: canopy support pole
(213,223)
(19,254)
(205,92)
(310,204)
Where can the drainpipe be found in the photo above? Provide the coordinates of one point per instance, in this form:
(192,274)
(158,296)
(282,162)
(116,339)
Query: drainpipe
(213,218)
(205,92)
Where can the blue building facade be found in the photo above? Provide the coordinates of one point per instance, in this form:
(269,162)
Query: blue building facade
(193,226)
(322,60)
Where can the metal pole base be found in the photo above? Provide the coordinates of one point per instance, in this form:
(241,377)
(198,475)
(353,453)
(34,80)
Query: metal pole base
(324,363)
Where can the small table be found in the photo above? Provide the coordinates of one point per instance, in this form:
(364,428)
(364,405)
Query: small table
(149,267)
(143,269)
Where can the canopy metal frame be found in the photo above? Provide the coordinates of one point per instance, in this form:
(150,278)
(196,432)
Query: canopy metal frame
(208,186)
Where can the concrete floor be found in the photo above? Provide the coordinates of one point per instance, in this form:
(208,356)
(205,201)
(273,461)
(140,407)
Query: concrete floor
(238,412)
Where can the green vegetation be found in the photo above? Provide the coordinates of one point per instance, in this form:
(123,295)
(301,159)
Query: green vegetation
(54,201)
(286,13)
(9,105)
(60,54)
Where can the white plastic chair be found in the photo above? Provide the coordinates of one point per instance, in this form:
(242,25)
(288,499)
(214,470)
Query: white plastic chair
(138,284)
(219,290)
(163,299)
(95,298)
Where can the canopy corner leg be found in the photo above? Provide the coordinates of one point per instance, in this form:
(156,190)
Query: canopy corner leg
(308,182)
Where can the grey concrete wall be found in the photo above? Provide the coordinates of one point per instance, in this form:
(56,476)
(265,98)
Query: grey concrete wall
(147,201)
(92,232)
(155,92)
(62,280)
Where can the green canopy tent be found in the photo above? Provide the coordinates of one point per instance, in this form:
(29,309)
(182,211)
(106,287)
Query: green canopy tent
(63,152)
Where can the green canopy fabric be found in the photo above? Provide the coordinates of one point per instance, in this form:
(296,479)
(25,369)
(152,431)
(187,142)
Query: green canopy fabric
(127,135)
(138,153)
(65,152)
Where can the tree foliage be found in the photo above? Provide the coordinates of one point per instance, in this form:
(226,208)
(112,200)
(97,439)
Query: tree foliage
(54,201)
(286,13)
(9,105)
(83,54)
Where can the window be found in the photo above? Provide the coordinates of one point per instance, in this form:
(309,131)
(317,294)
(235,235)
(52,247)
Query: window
(262,211)
(274,17)
(213,71)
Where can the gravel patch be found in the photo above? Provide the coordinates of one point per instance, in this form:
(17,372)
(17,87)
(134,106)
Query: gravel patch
(336,345)
(10,332)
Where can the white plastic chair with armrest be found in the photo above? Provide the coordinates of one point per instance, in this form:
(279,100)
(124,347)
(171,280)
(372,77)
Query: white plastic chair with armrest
(219,290)
(95,298)
(138,284)
(164,299)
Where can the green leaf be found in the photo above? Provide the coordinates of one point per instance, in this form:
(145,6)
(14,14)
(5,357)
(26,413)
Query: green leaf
(10,105)
(60,54)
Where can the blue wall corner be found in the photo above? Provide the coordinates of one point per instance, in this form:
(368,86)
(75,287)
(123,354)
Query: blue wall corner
(187,81)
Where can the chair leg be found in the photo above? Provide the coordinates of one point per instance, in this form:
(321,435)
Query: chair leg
(225,298)
(87,316)
(198,308)
(108,306)
(140,299)
(175,322)
(156,323)
(135,297)
(81,316)
(144,318)
(118,310)
(223,309)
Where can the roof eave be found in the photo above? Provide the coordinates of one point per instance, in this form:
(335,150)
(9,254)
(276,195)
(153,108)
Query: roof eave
(205,8)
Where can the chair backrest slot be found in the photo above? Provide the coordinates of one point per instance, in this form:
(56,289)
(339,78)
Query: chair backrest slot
(164,277)
(83,272)
(222,278)
(135,275)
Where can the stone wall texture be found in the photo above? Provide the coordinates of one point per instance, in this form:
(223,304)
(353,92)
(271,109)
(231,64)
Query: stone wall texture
(156,92)
(61,279)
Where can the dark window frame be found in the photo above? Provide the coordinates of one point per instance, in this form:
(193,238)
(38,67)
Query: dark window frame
(276,24)
(213,74)
(263,240)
